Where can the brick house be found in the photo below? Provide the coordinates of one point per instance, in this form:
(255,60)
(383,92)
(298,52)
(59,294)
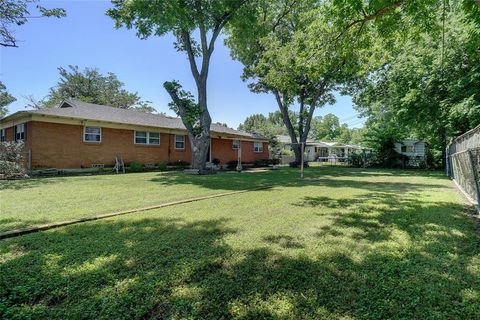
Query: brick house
(82,135)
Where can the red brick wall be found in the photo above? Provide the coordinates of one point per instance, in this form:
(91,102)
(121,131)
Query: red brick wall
(222,150)
(10,134)
(61,146)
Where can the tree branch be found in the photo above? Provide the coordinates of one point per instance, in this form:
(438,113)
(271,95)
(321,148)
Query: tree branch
(181,106)
(201,26)
(13,45)
(283,14)
(285,116)
(380,12)
(185,36)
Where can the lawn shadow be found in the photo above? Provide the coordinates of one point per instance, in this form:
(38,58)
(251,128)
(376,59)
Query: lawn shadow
(12,223)
(288,177)
(28,183)
(171,268)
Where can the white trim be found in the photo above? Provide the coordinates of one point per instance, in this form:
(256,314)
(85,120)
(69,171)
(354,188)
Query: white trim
(147,137)
(260,150)
(233,146)
(175,141)
(15,131)
(88,141)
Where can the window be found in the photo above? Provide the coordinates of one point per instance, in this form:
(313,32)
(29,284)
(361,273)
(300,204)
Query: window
(179,142)
(408,149)
(3,136)
(258,147)
(143,137)
(235,144)
(20,132)
(92,134)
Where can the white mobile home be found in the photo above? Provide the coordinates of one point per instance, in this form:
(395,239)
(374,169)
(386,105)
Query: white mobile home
(415,150)
(411,148)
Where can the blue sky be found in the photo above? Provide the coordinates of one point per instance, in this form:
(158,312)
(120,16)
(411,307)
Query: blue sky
(87,38)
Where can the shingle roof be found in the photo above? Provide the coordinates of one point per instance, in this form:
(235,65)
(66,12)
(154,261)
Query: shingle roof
(96,112)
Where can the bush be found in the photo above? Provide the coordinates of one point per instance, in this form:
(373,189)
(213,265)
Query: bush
(12,162)
(216,161)
(287,152)
(180,164)
(274,161)
(136,166)
(363,160)
(296,164)
(162,166)
(232,164)
(261,163)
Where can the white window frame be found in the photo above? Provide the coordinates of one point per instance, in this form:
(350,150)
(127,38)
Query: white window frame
(147,137)
(257,149)
(3,135)
(175,141)
(84,134)
(15,131)
(235,147)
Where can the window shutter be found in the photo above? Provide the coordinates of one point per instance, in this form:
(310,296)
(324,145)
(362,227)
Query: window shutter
(25,132)
(14,133)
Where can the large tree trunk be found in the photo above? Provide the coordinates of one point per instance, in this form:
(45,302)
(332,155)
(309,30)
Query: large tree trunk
(200,143)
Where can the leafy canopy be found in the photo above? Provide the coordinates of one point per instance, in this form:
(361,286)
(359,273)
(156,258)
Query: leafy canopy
(428,89)
(89,85)
(17,13)
(5,99)
(267,126)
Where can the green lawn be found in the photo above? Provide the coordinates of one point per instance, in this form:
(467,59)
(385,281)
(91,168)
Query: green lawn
(341,244)
(37,201)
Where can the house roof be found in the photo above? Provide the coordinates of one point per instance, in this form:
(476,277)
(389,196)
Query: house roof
(95,112)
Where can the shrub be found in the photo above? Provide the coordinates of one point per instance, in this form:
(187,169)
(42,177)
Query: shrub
(180,164)
(216,161)
(12,162)
(261,163)
(274,161)
(287,152)
(232,164)
(296,164)
(136,166)
(162,166)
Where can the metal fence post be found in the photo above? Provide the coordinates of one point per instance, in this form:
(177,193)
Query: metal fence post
(475,179)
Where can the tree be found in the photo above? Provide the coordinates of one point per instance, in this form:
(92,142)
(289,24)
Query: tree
(5,99)
(183,18)
(429,87)
(326,128)
(16,12)
(303,51)
(91,86)
(270,126)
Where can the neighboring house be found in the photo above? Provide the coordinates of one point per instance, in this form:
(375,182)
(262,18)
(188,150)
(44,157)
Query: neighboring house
(415,150)
(82,135)
(322,151)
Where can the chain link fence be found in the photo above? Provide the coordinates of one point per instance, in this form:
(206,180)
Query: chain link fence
(463,164)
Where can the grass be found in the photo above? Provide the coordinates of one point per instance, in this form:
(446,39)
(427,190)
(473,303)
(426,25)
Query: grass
(26,203)
(342,244)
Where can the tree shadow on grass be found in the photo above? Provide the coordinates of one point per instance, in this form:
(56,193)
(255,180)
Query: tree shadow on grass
(28,183)
(287,177)
(12,223)
(171,268)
